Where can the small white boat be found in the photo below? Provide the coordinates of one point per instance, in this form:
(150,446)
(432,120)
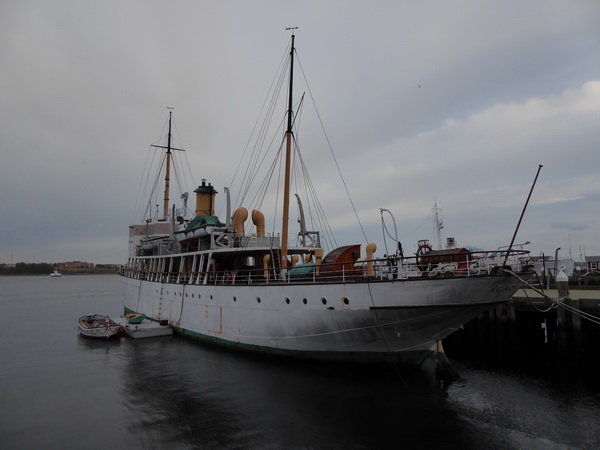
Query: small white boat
(97,326)
(137,326)
(55,274)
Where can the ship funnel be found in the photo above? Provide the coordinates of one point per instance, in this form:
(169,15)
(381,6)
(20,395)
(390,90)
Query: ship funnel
(239,217)
(205,199)
(258,219)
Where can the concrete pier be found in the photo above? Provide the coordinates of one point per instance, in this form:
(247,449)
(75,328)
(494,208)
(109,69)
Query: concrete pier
(522,322)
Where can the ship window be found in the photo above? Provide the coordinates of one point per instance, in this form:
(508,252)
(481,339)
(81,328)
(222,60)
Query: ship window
(324,300)
(234,299)
(304,301)
(287,300)
(258,299)
(211,296)
(346,301)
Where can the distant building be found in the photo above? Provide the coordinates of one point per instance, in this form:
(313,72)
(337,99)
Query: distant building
(593,263)
(75,265)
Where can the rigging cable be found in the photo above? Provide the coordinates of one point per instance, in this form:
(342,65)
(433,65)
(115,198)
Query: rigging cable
(267,109)
(142,186)
(332,153)
(310,193)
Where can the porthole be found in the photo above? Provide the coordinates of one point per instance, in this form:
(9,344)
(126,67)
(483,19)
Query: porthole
(304,301)
(258,299)
(287,300)
(346,301)
(234,299)
(211,296)
(324,300)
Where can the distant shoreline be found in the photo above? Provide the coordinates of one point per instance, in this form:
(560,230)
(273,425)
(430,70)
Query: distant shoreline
(68,272)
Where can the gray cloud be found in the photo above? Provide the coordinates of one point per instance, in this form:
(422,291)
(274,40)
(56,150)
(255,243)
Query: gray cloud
(459,102)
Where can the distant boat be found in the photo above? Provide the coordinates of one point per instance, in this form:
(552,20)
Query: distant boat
(55,274)
(223,283)
(98,326)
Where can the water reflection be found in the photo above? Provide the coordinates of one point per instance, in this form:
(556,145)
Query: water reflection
(185,392)
(174,393)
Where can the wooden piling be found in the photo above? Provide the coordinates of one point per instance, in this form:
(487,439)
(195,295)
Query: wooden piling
(562,319)
(511,315)
(576,323)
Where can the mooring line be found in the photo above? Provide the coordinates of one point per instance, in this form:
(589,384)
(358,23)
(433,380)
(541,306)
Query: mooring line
(557,302)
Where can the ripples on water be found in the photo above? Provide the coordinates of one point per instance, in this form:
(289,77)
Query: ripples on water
(58,390)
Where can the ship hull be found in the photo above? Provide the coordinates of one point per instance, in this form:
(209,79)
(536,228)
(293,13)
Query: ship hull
(354,322)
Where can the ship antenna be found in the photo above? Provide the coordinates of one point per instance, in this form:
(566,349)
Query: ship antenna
(288,151)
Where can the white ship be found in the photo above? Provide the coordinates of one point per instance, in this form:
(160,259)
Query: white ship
(231,283)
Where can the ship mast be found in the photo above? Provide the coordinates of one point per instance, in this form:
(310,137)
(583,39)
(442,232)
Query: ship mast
(438,226)
(168,167)
(288,151)
(168,170)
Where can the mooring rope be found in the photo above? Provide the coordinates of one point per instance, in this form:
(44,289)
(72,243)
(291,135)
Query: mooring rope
(557,302)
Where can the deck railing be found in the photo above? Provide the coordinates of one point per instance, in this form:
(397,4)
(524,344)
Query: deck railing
(376,270)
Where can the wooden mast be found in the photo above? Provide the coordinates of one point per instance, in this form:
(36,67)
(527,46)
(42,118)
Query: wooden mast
(167,168)
(288,151)
(168,171)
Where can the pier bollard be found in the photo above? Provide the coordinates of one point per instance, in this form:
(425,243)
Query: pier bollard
(562,284)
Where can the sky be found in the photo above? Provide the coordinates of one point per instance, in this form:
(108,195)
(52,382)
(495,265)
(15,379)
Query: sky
(456,103)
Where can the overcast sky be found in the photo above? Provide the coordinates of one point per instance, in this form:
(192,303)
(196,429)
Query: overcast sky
(450,101)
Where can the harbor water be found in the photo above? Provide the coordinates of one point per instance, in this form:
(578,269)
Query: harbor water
(58,390)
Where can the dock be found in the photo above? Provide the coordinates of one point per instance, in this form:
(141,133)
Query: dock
(529,320)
